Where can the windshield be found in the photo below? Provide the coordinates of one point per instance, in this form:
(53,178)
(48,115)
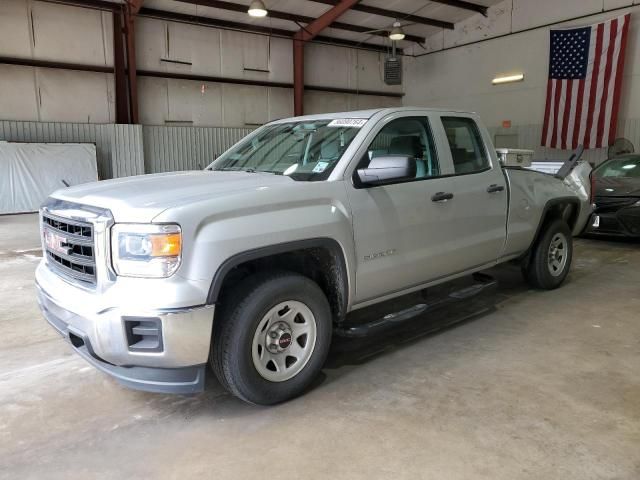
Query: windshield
(625,167)
(306,151)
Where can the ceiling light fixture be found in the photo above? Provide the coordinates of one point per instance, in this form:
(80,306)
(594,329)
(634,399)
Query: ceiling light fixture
(396,32)
(257,9)
(518,77)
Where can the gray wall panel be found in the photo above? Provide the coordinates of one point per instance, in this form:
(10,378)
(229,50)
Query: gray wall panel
(119,148)
(127,156)
(124,150)
(528,137)
(169,149)
(50,132)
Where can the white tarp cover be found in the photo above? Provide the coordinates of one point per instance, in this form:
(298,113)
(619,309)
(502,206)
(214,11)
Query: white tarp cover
(30,172)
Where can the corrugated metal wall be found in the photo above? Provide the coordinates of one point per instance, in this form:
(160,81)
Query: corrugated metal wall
(50,132)
(186,148)
(124,150)
(127,152)
(119,148)
(528,137)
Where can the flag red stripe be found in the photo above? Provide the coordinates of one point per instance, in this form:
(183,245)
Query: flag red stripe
(576,126)
(545,127)
(613,31)
(619,73)
(586,112)
(567,113)
(594,84)
(556,114)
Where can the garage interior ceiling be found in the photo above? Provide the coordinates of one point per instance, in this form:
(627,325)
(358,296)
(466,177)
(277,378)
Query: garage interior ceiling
(420,19)
(439,12)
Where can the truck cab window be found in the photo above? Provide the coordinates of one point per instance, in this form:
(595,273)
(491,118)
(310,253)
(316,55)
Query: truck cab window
(304,150)
(409,136)
(467,149)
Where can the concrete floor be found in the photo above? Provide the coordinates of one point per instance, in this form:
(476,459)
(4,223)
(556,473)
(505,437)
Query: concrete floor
(535,385)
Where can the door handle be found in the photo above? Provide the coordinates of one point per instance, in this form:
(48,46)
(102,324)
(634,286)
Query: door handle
(441,197)
(495,188)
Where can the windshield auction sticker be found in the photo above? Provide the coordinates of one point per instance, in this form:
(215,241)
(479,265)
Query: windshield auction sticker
(320,167)
(348,122)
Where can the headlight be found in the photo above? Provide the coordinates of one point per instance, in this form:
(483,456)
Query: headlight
(145,250)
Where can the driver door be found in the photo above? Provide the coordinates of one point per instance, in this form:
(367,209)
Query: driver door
(402,233)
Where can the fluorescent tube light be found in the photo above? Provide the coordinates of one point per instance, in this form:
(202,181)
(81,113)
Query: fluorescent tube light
(508,79)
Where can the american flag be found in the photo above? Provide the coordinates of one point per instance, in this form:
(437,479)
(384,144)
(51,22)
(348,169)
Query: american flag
(583,92)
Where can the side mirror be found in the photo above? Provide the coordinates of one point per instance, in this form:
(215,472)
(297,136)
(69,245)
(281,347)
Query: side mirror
(388,169)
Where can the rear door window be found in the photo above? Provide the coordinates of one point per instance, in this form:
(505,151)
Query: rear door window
(467,148)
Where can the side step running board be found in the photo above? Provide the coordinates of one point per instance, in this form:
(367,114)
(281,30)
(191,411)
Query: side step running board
(483,283)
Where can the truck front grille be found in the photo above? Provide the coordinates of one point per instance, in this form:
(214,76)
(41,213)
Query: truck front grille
(69,248)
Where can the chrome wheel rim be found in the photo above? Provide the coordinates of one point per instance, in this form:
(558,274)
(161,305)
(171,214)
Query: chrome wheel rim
(558,254)
(284,341)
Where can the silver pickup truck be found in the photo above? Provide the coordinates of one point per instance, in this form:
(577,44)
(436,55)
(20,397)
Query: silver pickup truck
(250,265)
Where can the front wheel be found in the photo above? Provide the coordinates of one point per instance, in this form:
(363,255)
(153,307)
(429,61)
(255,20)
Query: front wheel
(550,258)
(272,337)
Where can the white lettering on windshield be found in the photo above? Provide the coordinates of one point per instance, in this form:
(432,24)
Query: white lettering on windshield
(348,122)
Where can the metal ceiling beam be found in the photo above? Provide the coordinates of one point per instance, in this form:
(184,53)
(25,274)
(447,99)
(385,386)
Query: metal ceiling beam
(28,62)
(394,14)
(245,27)
(95,4)
(135,6)
(131,9)
(292,17)
(213,22)
(326,20)
(474,7)
(304,35)
(464,5)
(120,69)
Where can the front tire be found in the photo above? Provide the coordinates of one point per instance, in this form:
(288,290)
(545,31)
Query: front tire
(550,260)
(271,338)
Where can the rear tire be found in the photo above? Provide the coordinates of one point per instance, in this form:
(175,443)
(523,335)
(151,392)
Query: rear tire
(271,338)
(550,260)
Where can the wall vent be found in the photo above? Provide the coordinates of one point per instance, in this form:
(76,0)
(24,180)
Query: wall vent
(393,71)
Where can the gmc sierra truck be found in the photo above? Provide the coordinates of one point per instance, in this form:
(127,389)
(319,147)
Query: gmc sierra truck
(250,265)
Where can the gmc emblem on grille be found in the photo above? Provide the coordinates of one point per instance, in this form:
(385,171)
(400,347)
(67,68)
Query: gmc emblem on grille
(56,243)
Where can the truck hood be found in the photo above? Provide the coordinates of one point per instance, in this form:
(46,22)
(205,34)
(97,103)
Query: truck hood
(617,187)
(141,198)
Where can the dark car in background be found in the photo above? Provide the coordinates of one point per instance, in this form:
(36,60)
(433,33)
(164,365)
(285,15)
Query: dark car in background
(617,197)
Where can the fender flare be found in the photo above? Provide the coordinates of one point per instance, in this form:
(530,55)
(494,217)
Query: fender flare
(322,242)
(547,207)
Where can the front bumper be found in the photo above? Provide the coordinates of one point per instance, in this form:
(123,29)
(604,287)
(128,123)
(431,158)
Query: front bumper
(624,222)
(176,365)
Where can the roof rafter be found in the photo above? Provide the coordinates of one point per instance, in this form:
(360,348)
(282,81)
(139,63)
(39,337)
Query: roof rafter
(212,22)
(383,12)
(246,27)
(308,33)
(236,7)
(135,5)
(464,5)
(96,4)
(316,25)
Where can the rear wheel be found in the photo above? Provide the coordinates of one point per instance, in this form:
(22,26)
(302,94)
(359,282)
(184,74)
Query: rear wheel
(271,338)
(550,259)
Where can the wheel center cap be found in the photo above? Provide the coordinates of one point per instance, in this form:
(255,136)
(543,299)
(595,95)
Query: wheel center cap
(285,340)
(279,338)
